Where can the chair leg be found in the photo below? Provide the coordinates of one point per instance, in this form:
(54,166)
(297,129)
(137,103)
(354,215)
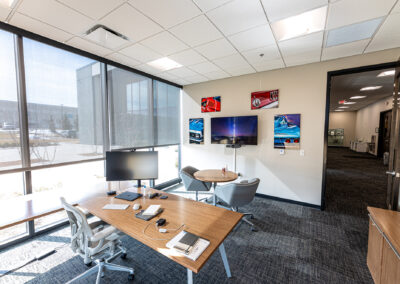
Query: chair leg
(91,271)
(249,214)
(116,267)
(197,196)
(250,223)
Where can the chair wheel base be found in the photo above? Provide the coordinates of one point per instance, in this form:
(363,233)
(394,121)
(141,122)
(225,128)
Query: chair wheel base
(123,256)
(131,277)
(254,229)
(89,264)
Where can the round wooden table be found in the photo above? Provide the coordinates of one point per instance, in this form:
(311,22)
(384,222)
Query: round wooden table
(215,176)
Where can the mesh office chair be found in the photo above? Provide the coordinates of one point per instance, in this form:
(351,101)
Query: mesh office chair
(97,242)
(236,195)
(192,184)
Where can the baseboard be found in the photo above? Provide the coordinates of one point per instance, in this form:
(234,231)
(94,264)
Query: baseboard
(288,201)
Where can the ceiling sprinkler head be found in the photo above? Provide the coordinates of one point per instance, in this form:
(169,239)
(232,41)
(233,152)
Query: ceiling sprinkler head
(261,54)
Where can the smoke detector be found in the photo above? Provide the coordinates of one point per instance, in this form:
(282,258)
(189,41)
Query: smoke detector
(106,37)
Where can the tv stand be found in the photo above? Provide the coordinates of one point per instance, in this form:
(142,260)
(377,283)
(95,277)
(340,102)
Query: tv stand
(234,146)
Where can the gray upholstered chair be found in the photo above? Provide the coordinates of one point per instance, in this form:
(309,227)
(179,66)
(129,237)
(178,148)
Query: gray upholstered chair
(236,195)
(192,184)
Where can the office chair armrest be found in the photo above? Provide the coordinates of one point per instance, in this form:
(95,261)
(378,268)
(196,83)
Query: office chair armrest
(107,231)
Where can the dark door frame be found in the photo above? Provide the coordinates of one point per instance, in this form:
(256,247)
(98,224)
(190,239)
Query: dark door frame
(327,105)
(380,134)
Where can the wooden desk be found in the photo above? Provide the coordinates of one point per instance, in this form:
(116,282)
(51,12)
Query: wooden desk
(384,245)
(215,176)
(29,207)
(207,221)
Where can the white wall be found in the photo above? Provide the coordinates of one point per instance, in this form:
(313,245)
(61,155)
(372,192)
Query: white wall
(367,120)
(345,120)
(302,90)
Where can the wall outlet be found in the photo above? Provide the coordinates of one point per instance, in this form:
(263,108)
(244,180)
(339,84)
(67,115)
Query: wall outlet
(281,152)
(301,152)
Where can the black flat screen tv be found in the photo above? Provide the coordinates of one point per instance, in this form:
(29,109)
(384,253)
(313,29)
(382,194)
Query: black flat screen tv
(235,130)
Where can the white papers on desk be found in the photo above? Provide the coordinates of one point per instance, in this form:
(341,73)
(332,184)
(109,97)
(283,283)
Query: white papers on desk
(116,206)
(197,250)
(151,210)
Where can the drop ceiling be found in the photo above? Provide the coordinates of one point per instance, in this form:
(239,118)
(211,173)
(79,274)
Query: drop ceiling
(213,39)
(344,87)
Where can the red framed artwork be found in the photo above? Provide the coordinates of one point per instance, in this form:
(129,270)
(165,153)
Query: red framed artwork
(265,99)
(211,104)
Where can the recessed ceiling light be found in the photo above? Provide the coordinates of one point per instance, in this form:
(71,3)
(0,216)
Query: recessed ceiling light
(370,88)
(302,24)
(349,103)
(386,73)
(343,107)
(164,64)
(339,110)
(357,97)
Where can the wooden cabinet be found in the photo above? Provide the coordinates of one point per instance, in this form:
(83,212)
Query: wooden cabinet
(374,257)
(383,259)
(390,266)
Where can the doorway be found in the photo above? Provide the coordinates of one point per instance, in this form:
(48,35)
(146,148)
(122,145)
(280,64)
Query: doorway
(385,122)
(358,123)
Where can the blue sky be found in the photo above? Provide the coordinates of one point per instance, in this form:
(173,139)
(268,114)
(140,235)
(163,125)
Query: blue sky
(50,72)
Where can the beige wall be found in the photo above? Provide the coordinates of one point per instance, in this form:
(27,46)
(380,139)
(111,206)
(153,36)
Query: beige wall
(302,90)
(345,120)
(368,119)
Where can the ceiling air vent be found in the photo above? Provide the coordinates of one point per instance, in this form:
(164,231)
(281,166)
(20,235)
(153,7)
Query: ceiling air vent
(106,37)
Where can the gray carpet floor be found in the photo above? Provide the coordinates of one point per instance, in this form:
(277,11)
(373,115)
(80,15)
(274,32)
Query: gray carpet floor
(294,244)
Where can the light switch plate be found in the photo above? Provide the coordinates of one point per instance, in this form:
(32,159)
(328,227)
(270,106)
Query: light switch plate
(301,152)
(281,151)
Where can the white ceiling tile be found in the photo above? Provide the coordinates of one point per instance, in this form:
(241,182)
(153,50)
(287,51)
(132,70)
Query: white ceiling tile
(57,15)
(38,27)
(348,49)
(237,16)
(207,5)
(231,61)
(238,71)
(215,75)
(164,43)
(277,10)
(253,38)
(182,72)
(182,82)
(123,59)
(148,69)
(354,32)
(302,50)
(187,57)
(195,79)
(168,76)
(266,65)
(140,53)
(270,52)
(348,12)
(388,35)
(4,11)
(205,67)
(396,8)
(167,13)
(216,49)
(129,22)
(94,9)
(196,31)
(88,46)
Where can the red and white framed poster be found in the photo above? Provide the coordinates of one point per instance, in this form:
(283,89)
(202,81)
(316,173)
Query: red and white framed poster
(265,99)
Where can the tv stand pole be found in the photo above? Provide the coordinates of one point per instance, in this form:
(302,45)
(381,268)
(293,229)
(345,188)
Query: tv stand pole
(234,159)
(139,183)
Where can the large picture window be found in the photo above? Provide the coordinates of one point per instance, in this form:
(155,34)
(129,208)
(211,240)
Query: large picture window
(60,112)
(10,150)
(65,116)
(131,111)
